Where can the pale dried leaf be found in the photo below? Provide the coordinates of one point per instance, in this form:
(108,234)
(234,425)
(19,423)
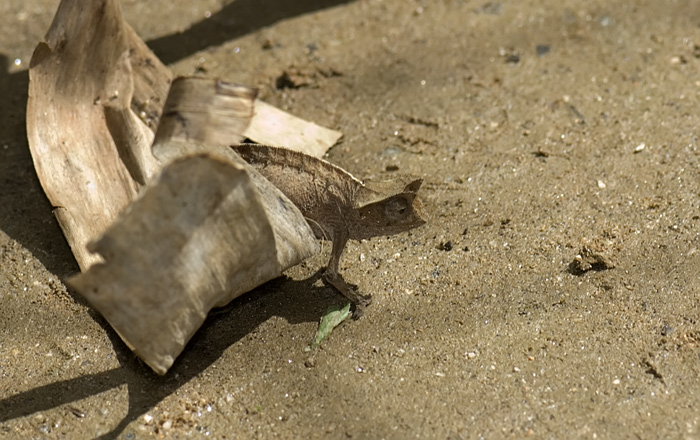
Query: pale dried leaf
(272,126)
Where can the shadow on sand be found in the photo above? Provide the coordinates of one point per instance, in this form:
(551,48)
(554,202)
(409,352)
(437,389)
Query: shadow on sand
(294,301)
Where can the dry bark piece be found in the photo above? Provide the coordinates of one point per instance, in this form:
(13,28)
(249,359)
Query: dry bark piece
(131,135)
(199,237)
(336,205)
(71,79)
(206,110)
(177,137)
(151,80)
(210,229)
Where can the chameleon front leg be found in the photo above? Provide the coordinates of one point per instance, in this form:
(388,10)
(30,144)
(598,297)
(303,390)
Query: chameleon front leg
(332,276)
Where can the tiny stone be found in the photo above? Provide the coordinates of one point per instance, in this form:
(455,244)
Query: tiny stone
(513,59)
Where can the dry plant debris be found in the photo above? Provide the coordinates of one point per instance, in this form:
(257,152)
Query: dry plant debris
(80,80)
(96,93)
(163,230)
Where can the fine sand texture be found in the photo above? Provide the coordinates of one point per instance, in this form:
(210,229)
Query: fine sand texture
(553,293)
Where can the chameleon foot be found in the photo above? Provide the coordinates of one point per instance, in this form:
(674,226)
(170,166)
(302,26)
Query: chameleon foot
(359,301)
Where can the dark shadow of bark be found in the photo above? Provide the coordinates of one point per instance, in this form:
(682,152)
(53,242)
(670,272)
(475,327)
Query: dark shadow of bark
(25,213)
(295,301)
(234,20)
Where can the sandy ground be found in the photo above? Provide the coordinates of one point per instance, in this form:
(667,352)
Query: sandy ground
(544,129)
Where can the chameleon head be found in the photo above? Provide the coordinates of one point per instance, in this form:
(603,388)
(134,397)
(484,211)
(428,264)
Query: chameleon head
(391,215)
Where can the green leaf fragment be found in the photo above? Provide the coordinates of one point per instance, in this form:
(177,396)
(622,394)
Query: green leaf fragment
(331,319)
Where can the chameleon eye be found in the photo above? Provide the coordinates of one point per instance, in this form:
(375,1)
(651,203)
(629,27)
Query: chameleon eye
(396,207)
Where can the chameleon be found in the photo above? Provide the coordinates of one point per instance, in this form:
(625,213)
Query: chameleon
(336,205)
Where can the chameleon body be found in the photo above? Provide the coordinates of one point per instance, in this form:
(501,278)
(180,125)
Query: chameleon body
(337,206)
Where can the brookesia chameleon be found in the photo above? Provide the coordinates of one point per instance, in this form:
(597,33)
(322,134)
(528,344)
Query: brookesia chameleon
(337,206)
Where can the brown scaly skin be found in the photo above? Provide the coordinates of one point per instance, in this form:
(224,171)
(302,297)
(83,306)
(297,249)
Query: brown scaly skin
(337,206)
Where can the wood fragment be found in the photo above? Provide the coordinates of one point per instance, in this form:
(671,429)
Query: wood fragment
(206,110)
(71,78)
(208,230)
(196,239)
(131,135)
(151,80)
